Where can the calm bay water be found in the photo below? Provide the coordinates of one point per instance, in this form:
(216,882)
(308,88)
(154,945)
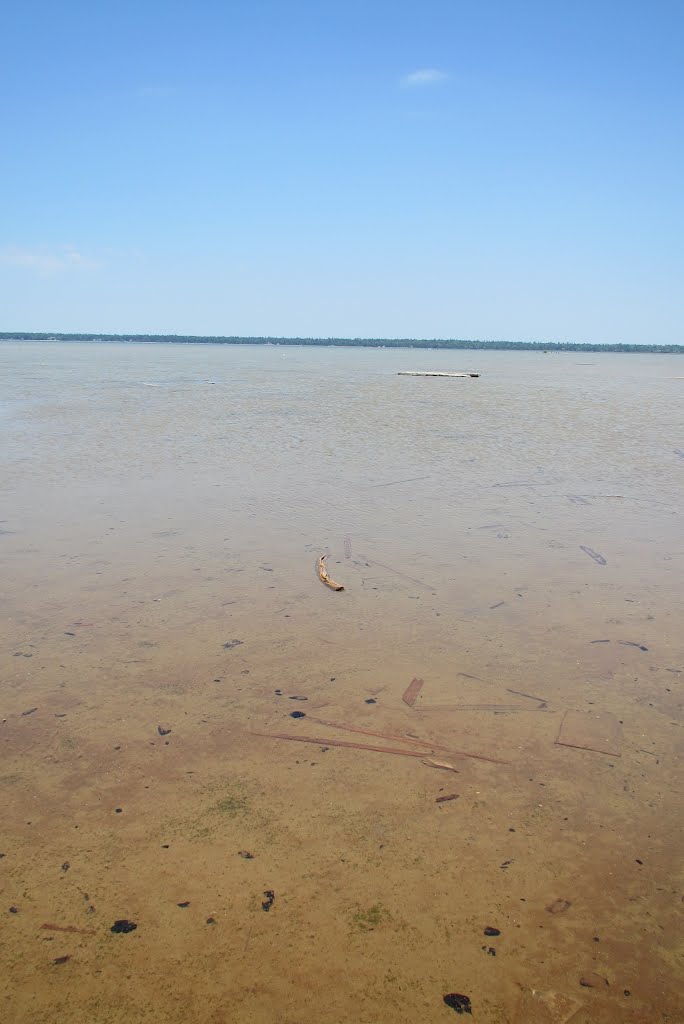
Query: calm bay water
(160,502)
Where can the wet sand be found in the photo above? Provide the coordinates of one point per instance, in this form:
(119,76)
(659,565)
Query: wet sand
(150,518)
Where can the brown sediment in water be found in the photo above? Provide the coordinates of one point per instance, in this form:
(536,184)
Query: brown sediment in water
(156,524)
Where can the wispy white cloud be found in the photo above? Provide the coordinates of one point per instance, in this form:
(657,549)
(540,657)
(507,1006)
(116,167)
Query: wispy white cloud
(44,259)
(424,76)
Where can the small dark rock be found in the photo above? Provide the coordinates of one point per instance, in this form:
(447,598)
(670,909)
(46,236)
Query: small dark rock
(278,693)
(211,920)
(446,797)
(593,980)
(69,634)
(491,951)
(459,1003)
(118,810)
(61,959)
(627,992)
(123,927)
(492,931)
(165,846)
(29,712)
(639,861)
(14,910)
(298,698)
(297,714)
(370,700)
(232,643)
(162,731)
(66,865)
(185,903)
(269,901)
(245,854)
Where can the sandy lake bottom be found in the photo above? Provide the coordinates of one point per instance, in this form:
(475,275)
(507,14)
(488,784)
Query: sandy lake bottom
(513,541)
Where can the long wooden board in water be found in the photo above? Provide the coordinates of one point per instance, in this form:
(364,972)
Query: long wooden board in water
(380,750)
(378,735)
(343,743)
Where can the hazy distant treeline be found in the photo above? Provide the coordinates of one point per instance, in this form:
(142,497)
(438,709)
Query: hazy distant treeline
(436,343)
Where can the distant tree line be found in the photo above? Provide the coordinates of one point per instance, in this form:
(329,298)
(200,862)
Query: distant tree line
(426,343)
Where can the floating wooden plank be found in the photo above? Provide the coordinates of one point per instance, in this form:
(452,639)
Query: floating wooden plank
(434,373)
(591,730)
(410,695)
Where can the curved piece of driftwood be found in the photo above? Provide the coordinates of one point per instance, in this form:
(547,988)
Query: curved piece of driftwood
(323,575)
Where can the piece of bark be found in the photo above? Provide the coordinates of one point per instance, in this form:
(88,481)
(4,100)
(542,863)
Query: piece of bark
(71,928)
(411,692)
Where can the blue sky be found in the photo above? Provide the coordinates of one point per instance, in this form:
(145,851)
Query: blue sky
(378,169)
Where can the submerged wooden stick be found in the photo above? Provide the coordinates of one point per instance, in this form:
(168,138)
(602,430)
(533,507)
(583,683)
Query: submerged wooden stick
(323,575)
(378,735)
(380,750)
(344,743)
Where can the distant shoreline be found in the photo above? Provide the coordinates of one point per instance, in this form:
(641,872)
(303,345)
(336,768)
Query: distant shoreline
(439,344)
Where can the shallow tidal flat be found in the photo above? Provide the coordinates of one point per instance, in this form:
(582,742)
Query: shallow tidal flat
(512,541)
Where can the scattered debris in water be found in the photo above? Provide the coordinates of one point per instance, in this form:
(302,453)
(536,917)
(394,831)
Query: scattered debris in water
(269,901)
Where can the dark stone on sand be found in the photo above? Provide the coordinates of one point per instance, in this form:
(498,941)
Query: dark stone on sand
(593,980)
(211,920)
(297,714)
(228,646)
(457,1002)
(29,712)
(66,865)
(14,910)
(245,854)
(118,810)
(185,903)
(492,931)
(61,959)
(269,901)
(123,927)
(162,731)
(370,700)
(491,951)
(298,698)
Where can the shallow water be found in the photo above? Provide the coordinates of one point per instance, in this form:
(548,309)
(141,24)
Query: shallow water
(158,502)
